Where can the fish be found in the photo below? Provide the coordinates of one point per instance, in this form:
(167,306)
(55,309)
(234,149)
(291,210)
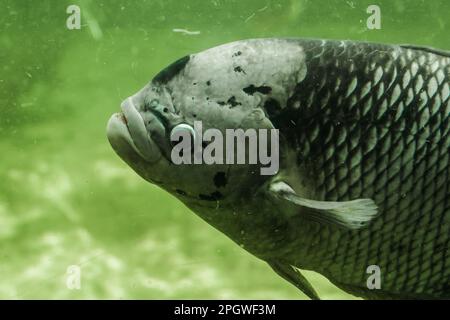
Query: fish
(364,144)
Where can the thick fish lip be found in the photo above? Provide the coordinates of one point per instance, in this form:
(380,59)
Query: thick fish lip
(117,131)
(130,127)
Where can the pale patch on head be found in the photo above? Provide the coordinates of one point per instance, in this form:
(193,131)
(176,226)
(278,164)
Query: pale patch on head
(226,80)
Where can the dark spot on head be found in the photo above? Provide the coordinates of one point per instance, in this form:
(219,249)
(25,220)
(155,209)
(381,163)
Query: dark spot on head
(220,179)
(239,69)
(251,89)
(216,195)
(171,71)
(272,107)
(181,192)
(165,110)
(232,102)
(194,115)
(237,54)
(208,83)
(195,83)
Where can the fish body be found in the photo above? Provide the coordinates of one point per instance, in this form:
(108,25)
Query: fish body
(364,177)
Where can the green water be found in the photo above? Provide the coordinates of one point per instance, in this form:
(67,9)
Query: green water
(67,199)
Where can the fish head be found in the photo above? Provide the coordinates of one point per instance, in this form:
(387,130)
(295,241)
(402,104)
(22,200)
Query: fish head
(137,135)
(141,135)
(216,88)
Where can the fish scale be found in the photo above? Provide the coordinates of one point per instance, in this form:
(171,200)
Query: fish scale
(381,133)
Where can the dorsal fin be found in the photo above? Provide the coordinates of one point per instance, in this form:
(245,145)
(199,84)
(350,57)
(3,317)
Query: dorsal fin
(426,49)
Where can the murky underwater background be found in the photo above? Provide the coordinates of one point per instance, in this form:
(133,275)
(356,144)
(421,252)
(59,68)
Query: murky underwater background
(66,198)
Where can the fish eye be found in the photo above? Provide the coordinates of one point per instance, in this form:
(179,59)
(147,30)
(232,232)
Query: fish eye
(154,103)
(151,105)
(183,127)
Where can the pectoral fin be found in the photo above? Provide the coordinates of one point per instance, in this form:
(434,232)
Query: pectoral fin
(352,214)
(294,276)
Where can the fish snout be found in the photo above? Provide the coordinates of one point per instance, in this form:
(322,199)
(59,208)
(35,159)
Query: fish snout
(145,146)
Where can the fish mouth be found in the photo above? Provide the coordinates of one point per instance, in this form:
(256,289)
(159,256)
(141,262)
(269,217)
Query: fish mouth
(129,125)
